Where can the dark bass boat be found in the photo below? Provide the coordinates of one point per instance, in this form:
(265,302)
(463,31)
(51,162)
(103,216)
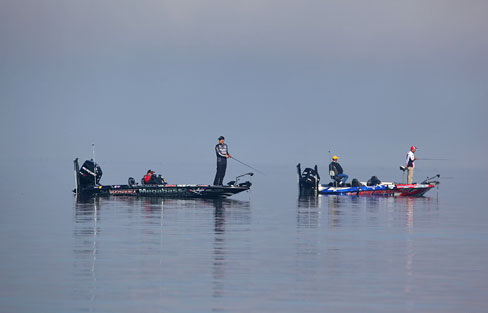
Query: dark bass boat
(87,179)
(309,184)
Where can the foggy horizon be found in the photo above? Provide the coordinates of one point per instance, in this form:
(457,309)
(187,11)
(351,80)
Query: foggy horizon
(283,82)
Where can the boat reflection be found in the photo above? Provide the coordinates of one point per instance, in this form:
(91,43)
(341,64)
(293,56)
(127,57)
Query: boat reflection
(354,210)
(329,231)
(154,227)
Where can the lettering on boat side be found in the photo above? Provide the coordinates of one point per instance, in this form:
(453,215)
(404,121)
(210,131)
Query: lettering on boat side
(122,192)
(165,190)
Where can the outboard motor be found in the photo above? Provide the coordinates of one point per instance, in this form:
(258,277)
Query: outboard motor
(308,181)
(89,174)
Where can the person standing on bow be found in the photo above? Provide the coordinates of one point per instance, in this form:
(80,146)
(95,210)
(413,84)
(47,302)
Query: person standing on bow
(336,172)
(410,163)
(222,152)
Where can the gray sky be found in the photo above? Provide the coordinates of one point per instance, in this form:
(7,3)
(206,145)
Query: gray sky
(284,81)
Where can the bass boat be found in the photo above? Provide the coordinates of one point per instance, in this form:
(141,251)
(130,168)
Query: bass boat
(309,184)
(87,179)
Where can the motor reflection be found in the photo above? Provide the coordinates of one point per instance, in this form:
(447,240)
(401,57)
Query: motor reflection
(317,250)
(85,232)
(308,213)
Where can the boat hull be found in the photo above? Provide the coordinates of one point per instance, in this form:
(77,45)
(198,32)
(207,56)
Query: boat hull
(396,190)
(167,191)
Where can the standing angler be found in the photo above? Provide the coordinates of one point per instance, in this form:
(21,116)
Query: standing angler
(410,163)
(222,152)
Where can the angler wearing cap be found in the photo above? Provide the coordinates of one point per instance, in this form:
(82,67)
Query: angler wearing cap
(336,172)
(148,177)
(152,179)
(410,163)
(222,152)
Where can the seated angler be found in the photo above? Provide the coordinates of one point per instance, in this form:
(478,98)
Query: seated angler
(148,178)
(336,172)
(152,179)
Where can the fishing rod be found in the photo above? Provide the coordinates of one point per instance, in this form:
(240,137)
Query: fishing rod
(248,166)
(430,159)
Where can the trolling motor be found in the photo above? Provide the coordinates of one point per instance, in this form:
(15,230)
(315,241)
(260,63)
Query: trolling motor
(235,182)
(308,181)
(434,180)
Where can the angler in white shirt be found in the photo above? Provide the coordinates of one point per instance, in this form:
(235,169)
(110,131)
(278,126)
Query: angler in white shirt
(410,163)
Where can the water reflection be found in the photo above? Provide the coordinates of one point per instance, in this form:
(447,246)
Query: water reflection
(226,214)
(143,229)
(308,211)
(86,216)
(219,249)
(342,210)
(337,234)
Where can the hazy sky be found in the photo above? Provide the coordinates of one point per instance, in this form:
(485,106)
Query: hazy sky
(284,81)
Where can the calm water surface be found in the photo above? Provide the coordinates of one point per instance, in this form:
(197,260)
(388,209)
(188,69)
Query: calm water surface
(264,251)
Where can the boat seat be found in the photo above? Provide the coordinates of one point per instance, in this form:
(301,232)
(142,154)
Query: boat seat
(336,181)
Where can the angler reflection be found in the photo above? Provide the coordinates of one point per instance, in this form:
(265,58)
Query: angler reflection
(412,206)
(410,212)
(229,215)
(219,249)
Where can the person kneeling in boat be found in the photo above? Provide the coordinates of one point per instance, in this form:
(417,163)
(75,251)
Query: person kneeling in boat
(336,172)
(152,179)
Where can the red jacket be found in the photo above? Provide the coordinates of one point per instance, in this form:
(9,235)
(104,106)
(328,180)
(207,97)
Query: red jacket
(147,178)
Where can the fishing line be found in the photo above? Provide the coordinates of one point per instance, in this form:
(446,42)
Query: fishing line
(429,159)
(248,166)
